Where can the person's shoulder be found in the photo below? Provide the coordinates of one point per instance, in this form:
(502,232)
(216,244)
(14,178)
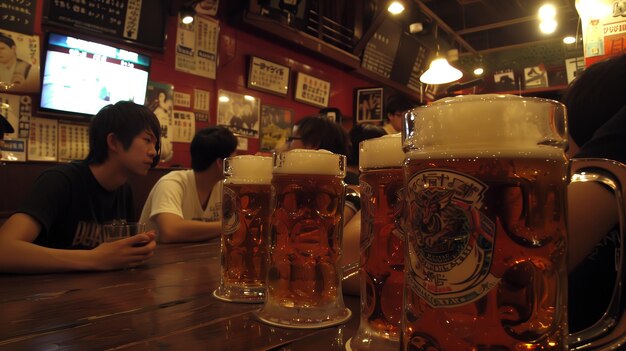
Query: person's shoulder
(182,176)
(71,170)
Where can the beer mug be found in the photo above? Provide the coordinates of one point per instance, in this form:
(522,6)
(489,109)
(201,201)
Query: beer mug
(245,217)
(306,228)
(486,179)
(382,244)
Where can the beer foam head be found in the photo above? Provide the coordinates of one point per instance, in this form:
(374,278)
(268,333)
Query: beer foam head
(488,121)
(314,162)
(382,152)
(248,169)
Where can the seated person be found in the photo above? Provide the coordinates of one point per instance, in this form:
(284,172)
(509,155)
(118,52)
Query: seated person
(358,133)
(185,205)
(58,227)
(596,106)
(319,132)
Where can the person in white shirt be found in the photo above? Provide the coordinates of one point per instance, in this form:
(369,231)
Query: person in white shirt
(185,205)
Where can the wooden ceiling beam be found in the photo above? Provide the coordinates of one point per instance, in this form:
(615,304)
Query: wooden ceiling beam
(426,10)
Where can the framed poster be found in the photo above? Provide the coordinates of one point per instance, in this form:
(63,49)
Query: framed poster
(240,113)
(268,76)
(369,107)
(276,124)
(311,90)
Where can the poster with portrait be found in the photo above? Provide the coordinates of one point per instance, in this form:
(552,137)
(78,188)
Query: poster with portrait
(18,110)
(240,113)
(19,62)
(369,107)
(276,125)
(159,99)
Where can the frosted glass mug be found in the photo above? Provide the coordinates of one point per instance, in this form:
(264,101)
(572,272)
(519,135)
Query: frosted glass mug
(486,181)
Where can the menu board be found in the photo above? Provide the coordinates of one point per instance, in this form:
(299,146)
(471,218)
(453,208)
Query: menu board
(380,51)
(18,15)
(141,22)
(410,62)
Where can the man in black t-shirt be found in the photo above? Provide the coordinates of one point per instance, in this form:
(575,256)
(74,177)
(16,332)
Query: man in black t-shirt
(57,228)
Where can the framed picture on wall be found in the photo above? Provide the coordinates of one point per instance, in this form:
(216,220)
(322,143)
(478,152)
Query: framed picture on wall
(276,124)
(268,76)
(369,105)
(240,113)
(311,90)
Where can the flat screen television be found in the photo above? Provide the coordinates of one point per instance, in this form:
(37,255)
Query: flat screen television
(80,76)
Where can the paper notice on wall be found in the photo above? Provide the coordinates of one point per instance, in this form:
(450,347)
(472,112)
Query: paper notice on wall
(184,127)
(73,141)
(196,47)
(42,141)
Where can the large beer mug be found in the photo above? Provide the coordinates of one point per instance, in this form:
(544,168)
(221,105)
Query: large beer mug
(245,217)
(382,244)
(306,227)
(486,179)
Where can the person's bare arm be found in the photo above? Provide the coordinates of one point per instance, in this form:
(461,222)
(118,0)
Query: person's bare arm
(173,229)
(352,252)
(18,254)
(591,215)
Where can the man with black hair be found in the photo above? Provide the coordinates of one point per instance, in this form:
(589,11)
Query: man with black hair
(13,71)
(394,110)
(185,205)
(59,226)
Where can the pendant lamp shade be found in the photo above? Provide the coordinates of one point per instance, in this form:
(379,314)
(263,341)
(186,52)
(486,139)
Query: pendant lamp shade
(440,72)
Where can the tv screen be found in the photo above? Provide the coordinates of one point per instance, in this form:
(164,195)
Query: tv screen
(80,76)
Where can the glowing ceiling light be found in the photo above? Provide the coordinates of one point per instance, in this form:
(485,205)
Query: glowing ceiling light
(395,8)
(547,26)
(440,72)
(569,40)
(224,98)
(547,11)
(478,71)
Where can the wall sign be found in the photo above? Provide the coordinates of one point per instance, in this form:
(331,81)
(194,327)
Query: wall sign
(311,90)
(268,76)
(141,22)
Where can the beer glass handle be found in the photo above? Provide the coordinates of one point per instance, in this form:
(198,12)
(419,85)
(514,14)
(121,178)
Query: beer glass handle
(610,331)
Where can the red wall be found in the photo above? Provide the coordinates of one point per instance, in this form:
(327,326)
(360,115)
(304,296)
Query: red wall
(234,48)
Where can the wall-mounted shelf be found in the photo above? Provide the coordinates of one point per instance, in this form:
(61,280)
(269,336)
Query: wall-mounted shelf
(321,49)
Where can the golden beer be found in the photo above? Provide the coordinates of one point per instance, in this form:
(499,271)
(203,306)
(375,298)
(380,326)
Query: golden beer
(486,267)
(245,217)
(382,244)
(306,226)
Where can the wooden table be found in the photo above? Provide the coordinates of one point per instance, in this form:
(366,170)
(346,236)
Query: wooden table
(165,305)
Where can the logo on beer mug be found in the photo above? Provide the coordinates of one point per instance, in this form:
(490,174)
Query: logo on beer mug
(451,254)
(230,212)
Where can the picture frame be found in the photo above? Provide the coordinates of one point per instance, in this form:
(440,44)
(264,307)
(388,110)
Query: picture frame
(311,90)
(369,105)
(276,126)
(239,113)
(268,76)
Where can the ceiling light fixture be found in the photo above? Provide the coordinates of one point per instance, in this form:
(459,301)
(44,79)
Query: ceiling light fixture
(395,8)
(187,14)
(547,12)
(478,71)
(548,26)
(440,71)
(569,40)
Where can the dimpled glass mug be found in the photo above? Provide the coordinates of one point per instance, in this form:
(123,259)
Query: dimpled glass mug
(486,179)
(306,228)
(382,244)
(245,217)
